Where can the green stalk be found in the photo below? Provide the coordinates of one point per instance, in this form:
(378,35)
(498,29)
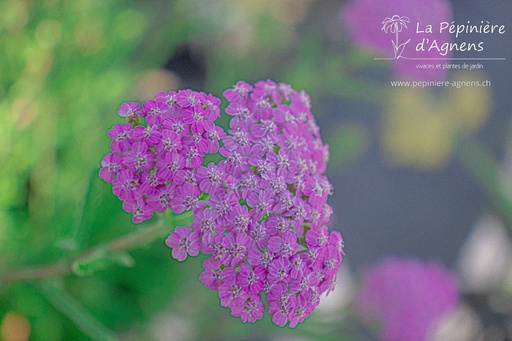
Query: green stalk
(124,243)
(75,311)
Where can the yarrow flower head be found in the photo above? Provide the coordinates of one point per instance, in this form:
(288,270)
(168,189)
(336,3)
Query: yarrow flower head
(407,297)
(261,213)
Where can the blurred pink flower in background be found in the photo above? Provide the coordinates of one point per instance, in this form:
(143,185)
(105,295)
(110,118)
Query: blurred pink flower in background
(406,297)
(364,21)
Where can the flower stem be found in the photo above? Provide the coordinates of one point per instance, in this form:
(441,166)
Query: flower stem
(124,243)
(75,311)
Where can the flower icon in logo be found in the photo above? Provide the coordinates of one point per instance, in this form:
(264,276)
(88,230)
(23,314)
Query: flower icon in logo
(395,25)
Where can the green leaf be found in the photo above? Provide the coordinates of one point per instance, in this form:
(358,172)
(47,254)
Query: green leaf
(123,259)
(98,260)
(101,259)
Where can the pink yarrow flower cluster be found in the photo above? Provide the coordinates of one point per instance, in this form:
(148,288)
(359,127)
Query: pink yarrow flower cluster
(261,213)
(407,297)
(154,166)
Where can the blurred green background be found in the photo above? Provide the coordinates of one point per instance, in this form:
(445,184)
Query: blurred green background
(65,66)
